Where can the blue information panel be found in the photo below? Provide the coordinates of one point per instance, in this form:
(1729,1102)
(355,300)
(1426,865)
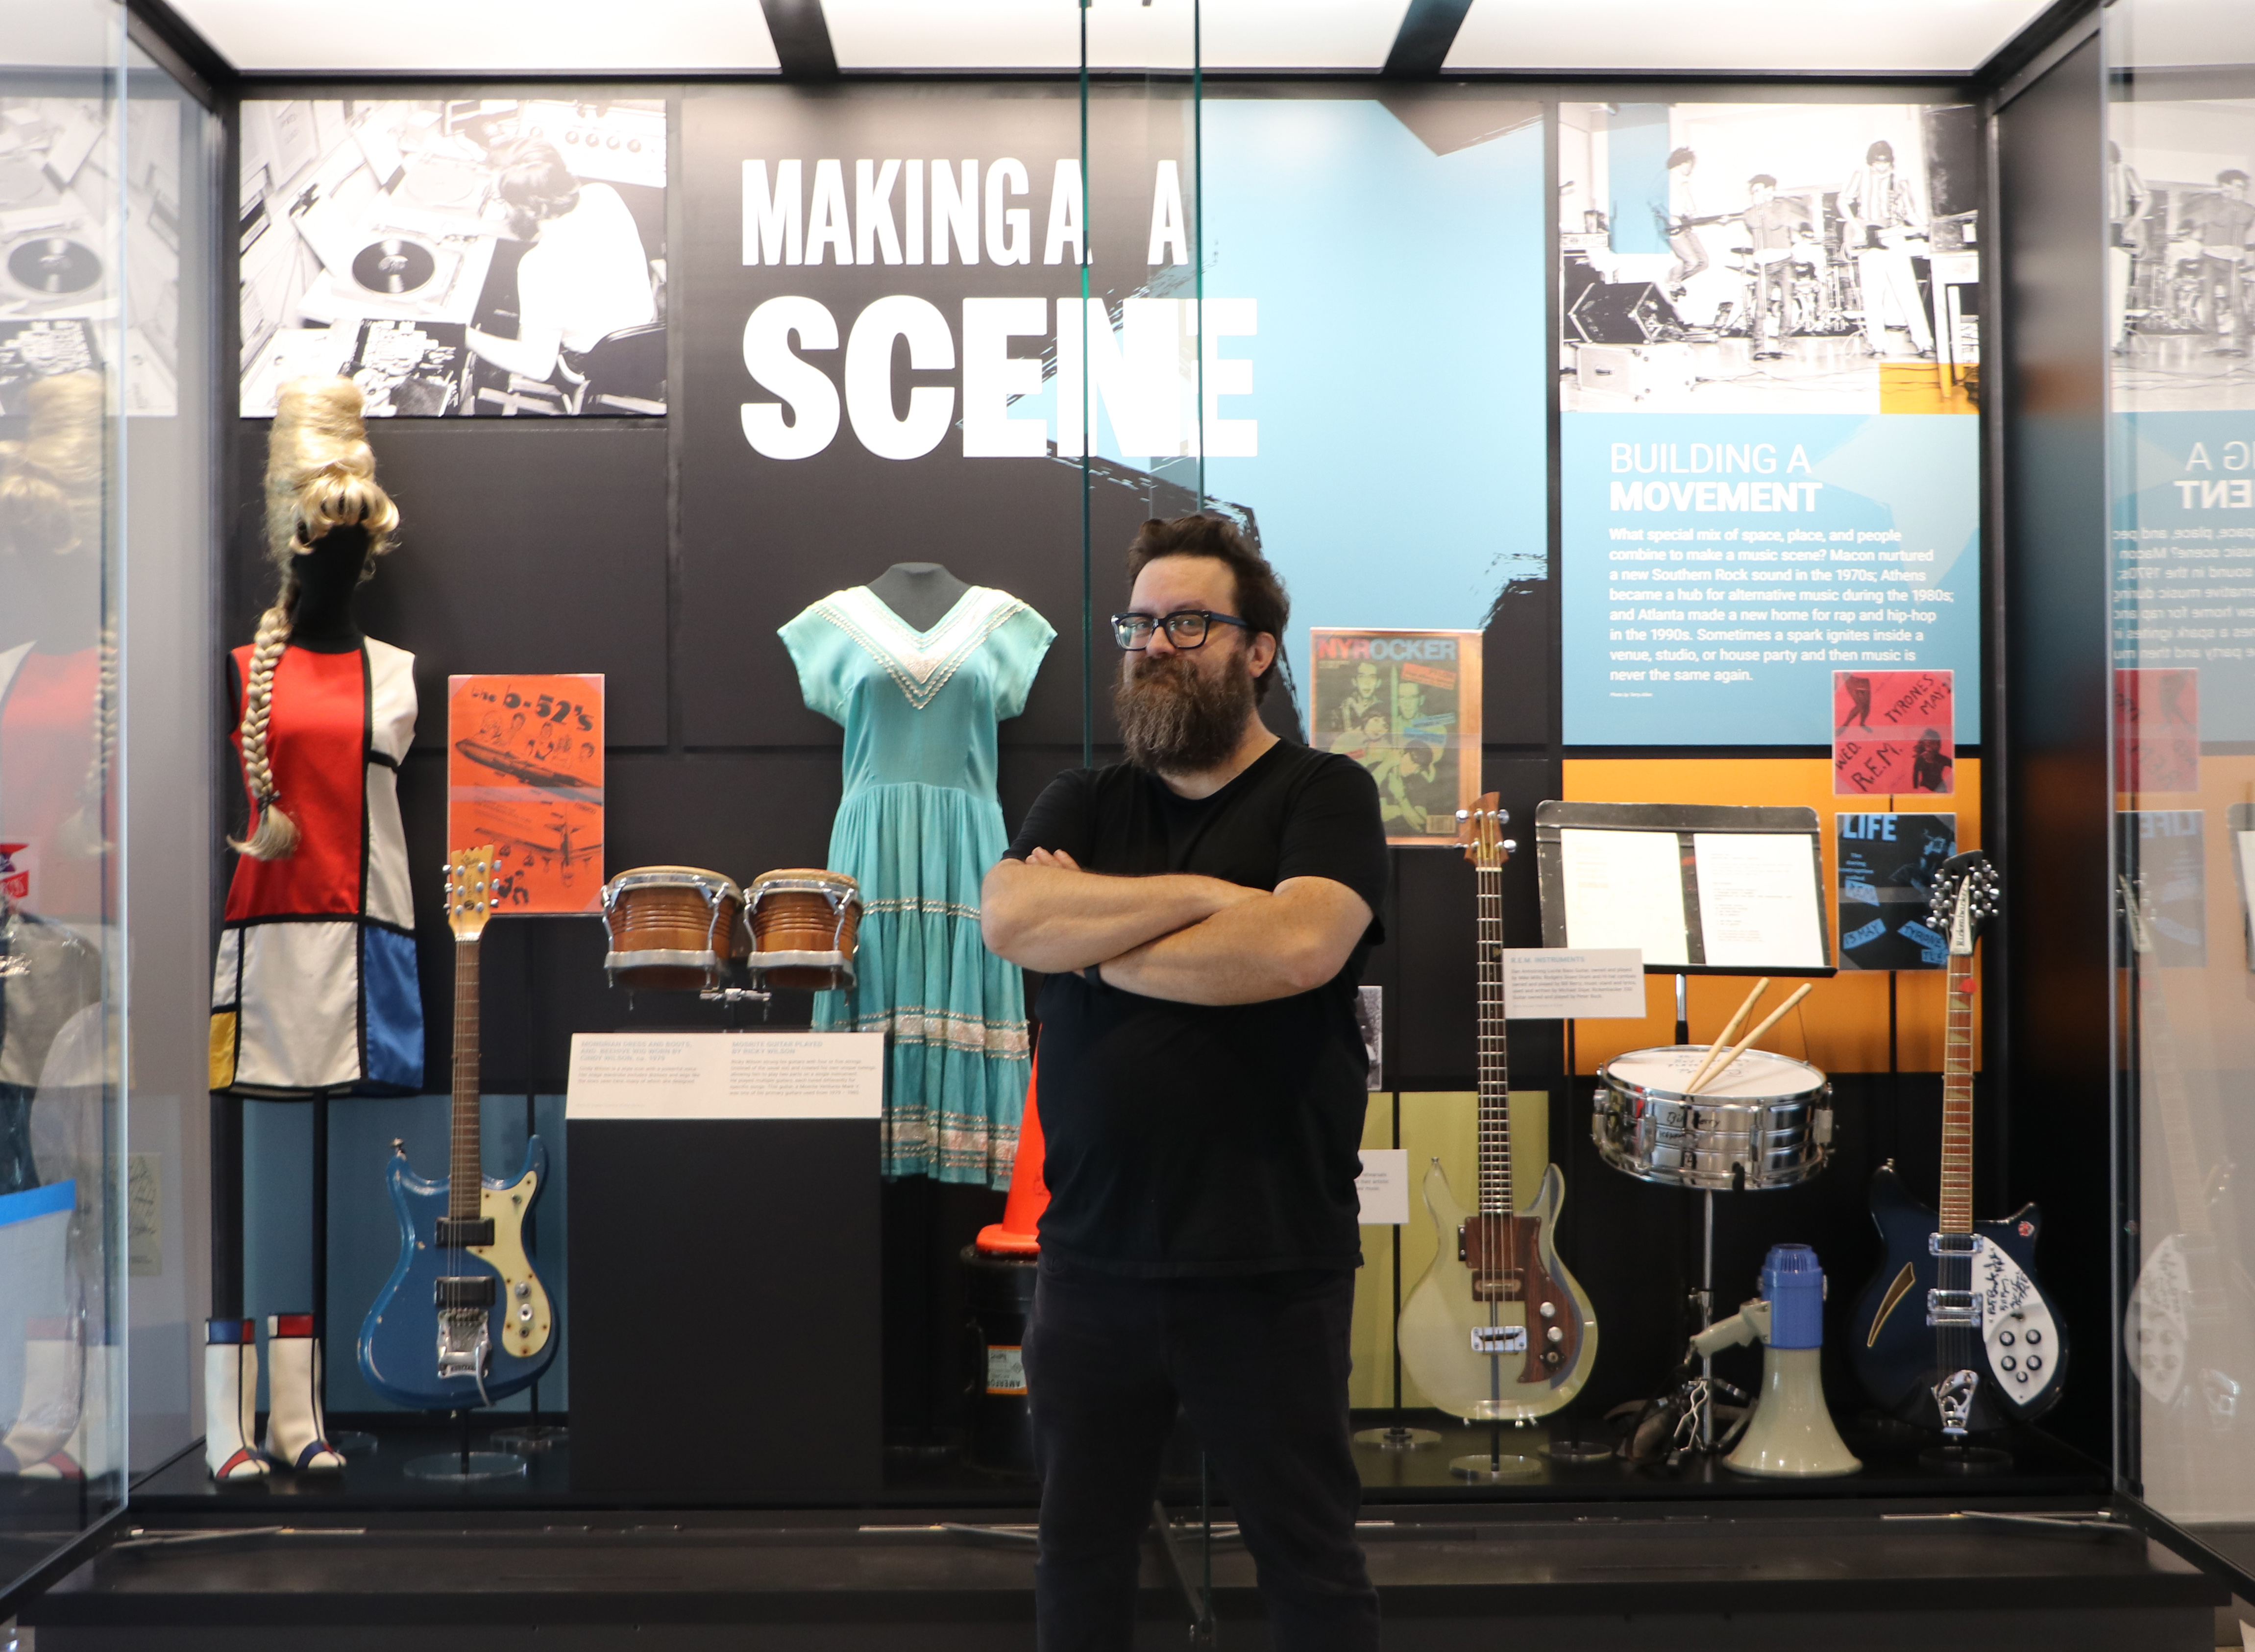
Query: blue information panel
(2184,556)
(1718,568)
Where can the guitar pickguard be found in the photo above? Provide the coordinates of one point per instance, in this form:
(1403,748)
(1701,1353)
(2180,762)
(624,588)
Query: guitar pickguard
(526,1317)
(2017,1328)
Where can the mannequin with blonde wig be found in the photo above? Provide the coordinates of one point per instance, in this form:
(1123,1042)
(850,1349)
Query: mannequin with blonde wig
(320,478)
(314,992)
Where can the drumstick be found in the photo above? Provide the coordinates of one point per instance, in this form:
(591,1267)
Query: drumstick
(1806,987)
(1728,1033)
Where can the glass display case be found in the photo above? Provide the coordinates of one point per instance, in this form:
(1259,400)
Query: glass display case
(2180,294)
(107,460)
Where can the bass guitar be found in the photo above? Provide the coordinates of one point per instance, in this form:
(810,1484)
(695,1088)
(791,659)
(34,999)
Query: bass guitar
(463,1321)
(2186,1319)
(1953,1332)
(1497,1329)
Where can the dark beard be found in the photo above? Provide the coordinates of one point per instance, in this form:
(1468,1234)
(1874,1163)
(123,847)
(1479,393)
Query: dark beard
(1175,719)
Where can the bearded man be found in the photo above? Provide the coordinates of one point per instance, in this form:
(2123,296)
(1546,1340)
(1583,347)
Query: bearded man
(1202,911)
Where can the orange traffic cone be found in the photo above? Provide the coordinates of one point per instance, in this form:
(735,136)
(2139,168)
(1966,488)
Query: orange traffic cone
(1029,1196)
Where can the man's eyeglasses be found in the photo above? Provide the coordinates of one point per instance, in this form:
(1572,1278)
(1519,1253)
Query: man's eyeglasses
(1188,628)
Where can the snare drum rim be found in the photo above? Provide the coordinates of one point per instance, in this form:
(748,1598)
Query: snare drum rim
(1630,1087)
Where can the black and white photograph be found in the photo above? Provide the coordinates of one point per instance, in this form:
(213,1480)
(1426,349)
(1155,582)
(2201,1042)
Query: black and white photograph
(2181,273)
(60,295)
(1770,257)
(473,257)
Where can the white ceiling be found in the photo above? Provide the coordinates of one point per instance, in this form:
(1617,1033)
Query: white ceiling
(595,37)
(1122,34)
(499,36)
(1815,36)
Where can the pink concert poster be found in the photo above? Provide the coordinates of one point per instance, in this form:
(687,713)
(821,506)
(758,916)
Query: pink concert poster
(2157,729)
(1893,733)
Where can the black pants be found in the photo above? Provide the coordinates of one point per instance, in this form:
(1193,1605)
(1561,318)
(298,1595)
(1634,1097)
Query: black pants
(1259,1363)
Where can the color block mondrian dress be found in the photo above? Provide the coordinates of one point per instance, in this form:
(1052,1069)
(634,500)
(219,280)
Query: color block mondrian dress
(917,827)
(314,992)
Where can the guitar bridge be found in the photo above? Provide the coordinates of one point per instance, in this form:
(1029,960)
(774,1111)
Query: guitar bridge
(1498,1339)
(1953,1308)
(464,1345)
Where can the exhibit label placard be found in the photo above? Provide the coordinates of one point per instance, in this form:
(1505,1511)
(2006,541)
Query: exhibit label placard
(1545,983)
(1383,1187)
(714,1075)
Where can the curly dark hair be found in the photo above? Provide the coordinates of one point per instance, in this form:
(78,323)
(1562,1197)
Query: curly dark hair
(1261,602)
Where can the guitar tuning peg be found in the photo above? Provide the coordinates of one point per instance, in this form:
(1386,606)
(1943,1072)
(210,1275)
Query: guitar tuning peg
(1511,845)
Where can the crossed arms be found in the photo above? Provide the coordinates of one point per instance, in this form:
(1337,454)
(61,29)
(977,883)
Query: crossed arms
(1193,939)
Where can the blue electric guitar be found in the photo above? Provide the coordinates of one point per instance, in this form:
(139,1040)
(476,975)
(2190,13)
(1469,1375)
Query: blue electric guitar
(463,1319)
(1953,1332)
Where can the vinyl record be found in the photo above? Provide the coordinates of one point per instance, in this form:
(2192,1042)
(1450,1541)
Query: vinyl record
(53,263)
(394,264)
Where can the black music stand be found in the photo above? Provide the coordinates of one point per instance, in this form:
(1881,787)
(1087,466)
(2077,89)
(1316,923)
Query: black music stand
(1688,822)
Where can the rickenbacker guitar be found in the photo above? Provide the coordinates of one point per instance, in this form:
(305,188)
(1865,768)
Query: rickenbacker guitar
(1497,1329)
(1953,1332)
(463,1321)
(2187,1320)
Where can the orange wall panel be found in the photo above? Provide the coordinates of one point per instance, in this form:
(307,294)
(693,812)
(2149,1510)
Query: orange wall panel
(1841,1026)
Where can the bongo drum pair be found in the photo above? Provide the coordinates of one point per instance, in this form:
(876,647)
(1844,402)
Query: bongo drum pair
(684,929)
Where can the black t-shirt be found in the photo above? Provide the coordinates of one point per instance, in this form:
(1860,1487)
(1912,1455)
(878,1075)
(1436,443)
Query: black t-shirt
(1187,1139)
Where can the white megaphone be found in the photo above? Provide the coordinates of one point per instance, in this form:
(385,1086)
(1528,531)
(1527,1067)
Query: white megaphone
(1790,1432)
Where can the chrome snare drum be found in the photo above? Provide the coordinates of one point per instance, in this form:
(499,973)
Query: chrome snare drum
(1769,1123)
(805,922)
(671,929)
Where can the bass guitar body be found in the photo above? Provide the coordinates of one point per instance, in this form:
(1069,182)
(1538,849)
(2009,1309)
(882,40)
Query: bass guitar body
(1509,1340)
(404,1344)
(2010,1339)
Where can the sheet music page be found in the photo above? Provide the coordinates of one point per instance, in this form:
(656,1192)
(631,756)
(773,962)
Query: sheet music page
(1757,899)
(1625,888)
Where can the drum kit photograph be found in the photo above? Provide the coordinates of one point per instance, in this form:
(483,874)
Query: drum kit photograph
(684,929)
(1720,1118)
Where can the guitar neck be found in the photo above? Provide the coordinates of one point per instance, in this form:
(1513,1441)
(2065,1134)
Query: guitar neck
(1495,1191)
(1956,1209)
(464,1161)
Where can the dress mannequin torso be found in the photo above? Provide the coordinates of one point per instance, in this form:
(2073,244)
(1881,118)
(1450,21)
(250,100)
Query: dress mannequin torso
(921,593)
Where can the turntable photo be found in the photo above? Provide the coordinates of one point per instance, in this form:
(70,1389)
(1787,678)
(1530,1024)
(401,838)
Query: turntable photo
(404,268)
(48,266)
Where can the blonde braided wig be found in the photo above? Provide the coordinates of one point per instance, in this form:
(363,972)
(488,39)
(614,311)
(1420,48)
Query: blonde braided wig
(320,474)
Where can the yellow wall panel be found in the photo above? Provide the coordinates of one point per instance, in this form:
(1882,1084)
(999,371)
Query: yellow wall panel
(1435,1124)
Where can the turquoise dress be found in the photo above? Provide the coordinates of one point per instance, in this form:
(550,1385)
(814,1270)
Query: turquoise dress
(917,828)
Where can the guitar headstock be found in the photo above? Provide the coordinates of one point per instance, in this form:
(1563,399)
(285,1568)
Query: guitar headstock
(1967,893)
(469,891)
(1480,830)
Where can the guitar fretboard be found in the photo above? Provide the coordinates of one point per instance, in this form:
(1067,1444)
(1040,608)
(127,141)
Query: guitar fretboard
(464,1161)
(1495,1195)
(1957,1212)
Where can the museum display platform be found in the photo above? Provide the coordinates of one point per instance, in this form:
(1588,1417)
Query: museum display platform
(2043,1467)
(1788,1573)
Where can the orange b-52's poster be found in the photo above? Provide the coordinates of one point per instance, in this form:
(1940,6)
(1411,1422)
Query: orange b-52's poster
(524,772)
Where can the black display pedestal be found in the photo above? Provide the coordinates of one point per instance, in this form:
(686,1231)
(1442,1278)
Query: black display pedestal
(725,1333)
